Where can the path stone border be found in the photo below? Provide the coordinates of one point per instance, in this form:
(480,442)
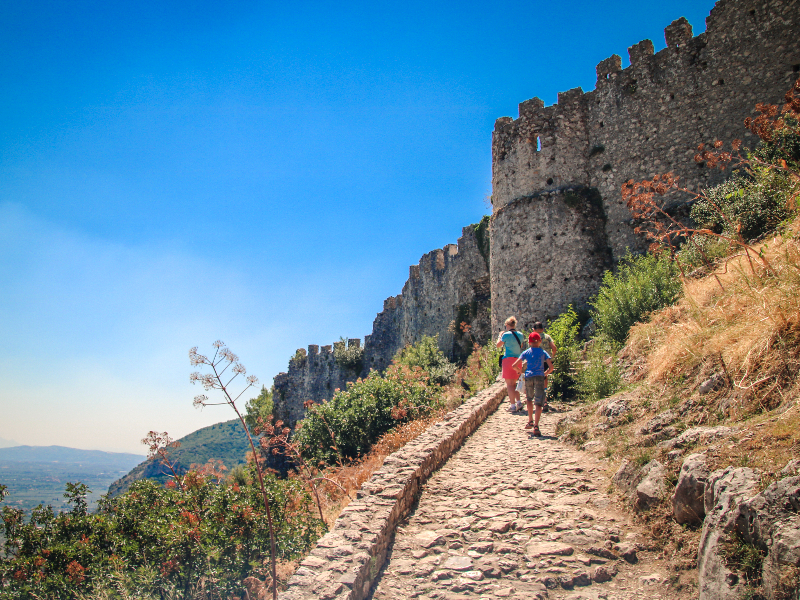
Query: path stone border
(346,561)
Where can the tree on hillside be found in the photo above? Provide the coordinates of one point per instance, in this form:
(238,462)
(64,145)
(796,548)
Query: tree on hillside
(259,407)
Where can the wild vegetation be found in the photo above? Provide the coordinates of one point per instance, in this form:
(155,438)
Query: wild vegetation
(224,441)
(726,351)
(346,427)
(209,534)
(348,356)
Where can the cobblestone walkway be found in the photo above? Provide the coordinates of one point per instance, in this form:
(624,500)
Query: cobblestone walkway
(511,515)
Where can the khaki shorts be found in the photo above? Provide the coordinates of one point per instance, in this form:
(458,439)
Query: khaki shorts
(534,389)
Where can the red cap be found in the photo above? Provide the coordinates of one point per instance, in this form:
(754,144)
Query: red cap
(534,337)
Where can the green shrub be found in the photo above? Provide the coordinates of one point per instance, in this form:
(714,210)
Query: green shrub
(483,366)
(641,285)
(355,418)
(564,331)
(598,375)
(703,249)
(426,355)
(784,146)
(747,205)
(299,358)
(259,408)
(348,356)
(154,541)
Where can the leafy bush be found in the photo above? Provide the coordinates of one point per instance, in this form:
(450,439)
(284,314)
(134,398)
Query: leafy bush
(482,366)
(426,355)
(299,358)
(154,542)
(564,331)
(747,205)
(783,145)
(598,376)
(703,249)
(348,356)
(641,285)
(260,407)
(354,418)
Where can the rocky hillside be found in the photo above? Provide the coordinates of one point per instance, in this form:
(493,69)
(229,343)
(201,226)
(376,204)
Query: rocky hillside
(704,441)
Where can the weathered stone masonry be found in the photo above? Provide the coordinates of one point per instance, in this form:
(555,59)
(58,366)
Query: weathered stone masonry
(639,121)
(553,248)
(347,560)
(558,218)
(449,284)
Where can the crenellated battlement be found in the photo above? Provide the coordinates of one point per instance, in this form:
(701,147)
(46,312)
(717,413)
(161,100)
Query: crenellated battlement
(439,287)
(557,172)
(606,68)
(640,53)
(678,33)
(648,117)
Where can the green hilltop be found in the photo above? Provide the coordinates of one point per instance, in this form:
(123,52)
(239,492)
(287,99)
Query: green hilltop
(224,441)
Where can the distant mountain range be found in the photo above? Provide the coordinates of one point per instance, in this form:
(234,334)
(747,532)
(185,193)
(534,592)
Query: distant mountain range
(224,441)
(38,474)
(4,443)
(62,454)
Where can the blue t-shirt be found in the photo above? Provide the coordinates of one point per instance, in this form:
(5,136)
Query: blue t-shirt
(512,343)
(534,358)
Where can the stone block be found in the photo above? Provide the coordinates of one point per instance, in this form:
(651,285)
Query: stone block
(638,53)
(652,488)
(688,505)
(678,32)
(612,64)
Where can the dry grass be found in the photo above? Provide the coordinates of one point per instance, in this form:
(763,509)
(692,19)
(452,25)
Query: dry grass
(765,446)
(743,322)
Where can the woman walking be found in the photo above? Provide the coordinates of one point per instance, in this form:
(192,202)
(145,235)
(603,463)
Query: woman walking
(512,341)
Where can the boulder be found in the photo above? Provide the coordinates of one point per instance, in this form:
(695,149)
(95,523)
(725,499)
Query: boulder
(688,504)
(660,435)
(696,435)
(659,422)
(627,477)
(613,408)
(791,468)
(725,489)
(711,384)
(652,487)
(771,521)
(642,486)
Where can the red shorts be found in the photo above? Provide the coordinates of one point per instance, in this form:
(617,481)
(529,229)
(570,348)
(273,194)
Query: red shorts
(508,370)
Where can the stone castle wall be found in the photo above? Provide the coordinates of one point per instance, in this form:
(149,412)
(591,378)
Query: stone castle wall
(639,121)
(548,250)
(313,375)
(448,285)
(558,219)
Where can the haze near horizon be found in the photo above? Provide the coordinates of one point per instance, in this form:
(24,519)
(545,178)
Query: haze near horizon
(259,173)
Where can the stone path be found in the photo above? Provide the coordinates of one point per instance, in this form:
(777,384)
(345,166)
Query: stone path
(511,515)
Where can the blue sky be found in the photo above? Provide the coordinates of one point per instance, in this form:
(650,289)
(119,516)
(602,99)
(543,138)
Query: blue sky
(258,172)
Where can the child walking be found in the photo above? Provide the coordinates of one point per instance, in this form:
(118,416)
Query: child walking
(549,346)
(537,365)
